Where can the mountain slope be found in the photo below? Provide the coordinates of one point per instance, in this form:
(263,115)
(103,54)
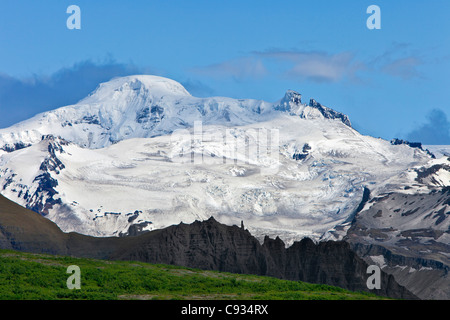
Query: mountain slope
(408,236)
(22,229)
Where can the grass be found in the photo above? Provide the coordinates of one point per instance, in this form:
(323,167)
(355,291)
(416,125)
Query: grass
(26,276)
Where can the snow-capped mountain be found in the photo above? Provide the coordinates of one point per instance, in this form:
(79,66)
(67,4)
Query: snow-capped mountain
(148,106)
(141,153)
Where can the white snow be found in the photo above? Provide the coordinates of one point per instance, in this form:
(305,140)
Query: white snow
(379,260)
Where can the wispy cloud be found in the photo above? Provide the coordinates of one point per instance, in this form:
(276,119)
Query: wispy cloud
(22,98)
(298,65)
(242,68)
(405,68)
(399,61)
(316,66)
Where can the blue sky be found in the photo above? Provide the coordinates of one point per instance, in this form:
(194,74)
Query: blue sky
(392,82)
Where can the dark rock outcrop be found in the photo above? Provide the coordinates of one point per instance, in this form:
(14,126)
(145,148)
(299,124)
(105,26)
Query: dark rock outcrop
(330,113)
(303,154)
(417,145)
(293,99)
(15,146)
(290,99)
(45,196)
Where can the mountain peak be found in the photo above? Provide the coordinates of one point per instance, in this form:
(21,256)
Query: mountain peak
(291,99)
(153,85)
(292,103)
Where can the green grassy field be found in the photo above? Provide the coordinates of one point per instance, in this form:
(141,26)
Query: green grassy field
(37,276)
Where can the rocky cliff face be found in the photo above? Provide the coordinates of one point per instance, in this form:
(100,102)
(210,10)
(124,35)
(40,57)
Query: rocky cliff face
(214,246)
(206,245)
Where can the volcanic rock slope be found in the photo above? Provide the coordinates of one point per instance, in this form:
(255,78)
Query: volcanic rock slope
(406,230)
